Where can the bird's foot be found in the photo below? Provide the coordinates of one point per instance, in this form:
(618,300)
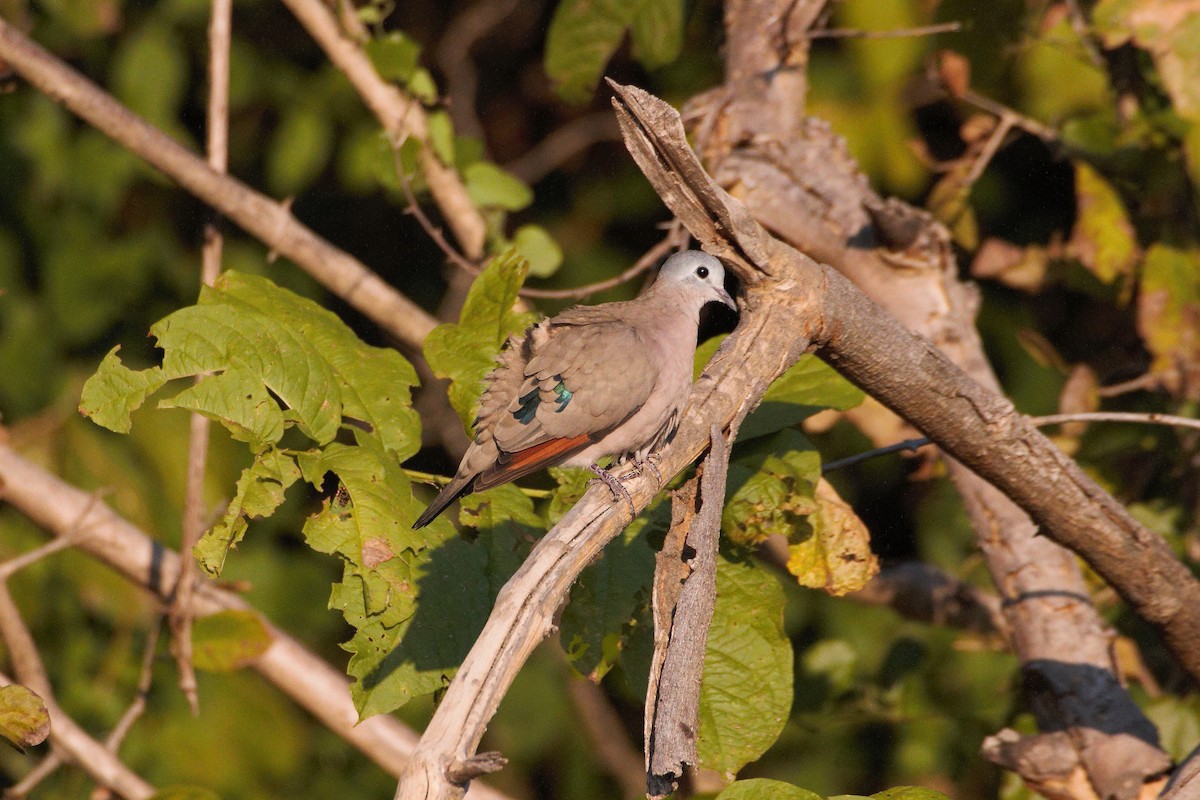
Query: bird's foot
(615,486)
(649,463)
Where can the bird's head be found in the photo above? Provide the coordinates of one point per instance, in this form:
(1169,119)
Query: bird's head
(699,275)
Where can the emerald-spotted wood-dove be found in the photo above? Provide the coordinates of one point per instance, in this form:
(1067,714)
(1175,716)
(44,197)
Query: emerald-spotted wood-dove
(594,381)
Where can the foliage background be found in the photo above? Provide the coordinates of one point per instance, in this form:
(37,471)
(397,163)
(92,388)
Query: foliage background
(1092,271)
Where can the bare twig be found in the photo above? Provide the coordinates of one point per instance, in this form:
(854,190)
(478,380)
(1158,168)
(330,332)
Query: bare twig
(401,116)
(988,151)
(1001,111)
(342,274)
(431,230)
(672,240)
(44,769)
(1139,418)
(454,57)
(220,31)
(896,33)
(562,144)
(145,680)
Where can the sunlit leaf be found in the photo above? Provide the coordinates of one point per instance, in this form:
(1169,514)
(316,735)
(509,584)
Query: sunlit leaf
(24,721)
(465,351)
(1103,238)
(765,789)
(1169,316)
(539,249)
(491,186)
(395,55)
(299,150)
(836,554)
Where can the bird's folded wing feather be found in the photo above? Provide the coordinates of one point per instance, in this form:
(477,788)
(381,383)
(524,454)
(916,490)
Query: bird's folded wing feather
(583,376)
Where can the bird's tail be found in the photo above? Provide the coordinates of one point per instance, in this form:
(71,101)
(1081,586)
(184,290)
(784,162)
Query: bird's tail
(450,492)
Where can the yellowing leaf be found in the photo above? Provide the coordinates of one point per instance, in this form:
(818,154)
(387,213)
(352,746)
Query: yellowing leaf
(1103,238)
(24,721)
(1169,317)
(836,557)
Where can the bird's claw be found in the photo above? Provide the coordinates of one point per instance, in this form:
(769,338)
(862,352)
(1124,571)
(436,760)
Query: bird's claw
(649,463)
(615,486)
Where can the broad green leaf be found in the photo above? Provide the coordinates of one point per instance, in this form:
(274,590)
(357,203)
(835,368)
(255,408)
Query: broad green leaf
(1103,238)
(657,31)
(491,187)
(24,721)
(185,793)
(765,789)
(115,391)
(301,353)
(299,149)
(583,36)
(395,55)
(441,136)
(260,491)
(746,692)
(416,600)
(1169,316)
(539,249)
(909,793)
(422,86)
(1057,79)
(465,351)
(228,640)
(835,555)
(809,386)
(604,602)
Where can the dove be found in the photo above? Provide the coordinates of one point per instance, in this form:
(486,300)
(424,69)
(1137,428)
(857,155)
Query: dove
(593,382)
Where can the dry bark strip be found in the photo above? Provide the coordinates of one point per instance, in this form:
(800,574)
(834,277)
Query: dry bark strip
(685,594)
(798,179)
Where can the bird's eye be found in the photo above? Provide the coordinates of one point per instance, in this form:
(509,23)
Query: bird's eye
(702,272)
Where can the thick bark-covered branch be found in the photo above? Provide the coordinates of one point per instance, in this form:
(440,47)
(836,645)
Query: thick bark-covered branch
(797,178)
(259,215)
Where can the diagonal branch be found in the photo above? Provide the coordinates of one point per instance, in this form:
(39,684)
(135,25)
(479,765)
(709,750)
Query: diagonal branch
(257,214)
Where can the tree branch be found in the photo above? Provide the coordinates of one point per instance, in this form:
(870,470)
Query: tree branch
(271,222)
(401,116)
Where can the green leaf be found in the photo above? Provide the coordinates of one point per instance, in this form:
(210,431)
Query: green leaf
(24,721)
(441,136)
(396,57)
(185,793)
(260,491)
(299,149)
(1169,316)
(228,640)
(658,32)
(116,391)
(583,36)
(1058,81)
(771,489)
(909,793)
(465,351)
(539,249)
(490,186)
(746,692)
(1103,238)
(267,339)
(422,86)
(416,600)
(765,789)
(808,387)
(596,623)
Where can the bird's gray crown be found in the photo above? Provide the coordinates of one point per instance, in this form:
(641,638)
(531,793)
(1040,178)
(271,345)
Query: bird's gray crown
(697,272)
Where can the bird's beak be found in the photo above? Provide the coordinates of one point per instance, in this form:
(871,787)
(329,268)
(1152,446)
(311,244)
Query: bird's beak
(724,297)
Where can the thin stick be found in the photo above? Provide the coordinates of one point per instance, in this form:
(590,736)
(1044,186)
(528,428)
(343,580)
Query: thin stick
(1043,132)
(1169,420)
(897,33)
(220,32)
(145,680)
(45,768)
(648,259)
